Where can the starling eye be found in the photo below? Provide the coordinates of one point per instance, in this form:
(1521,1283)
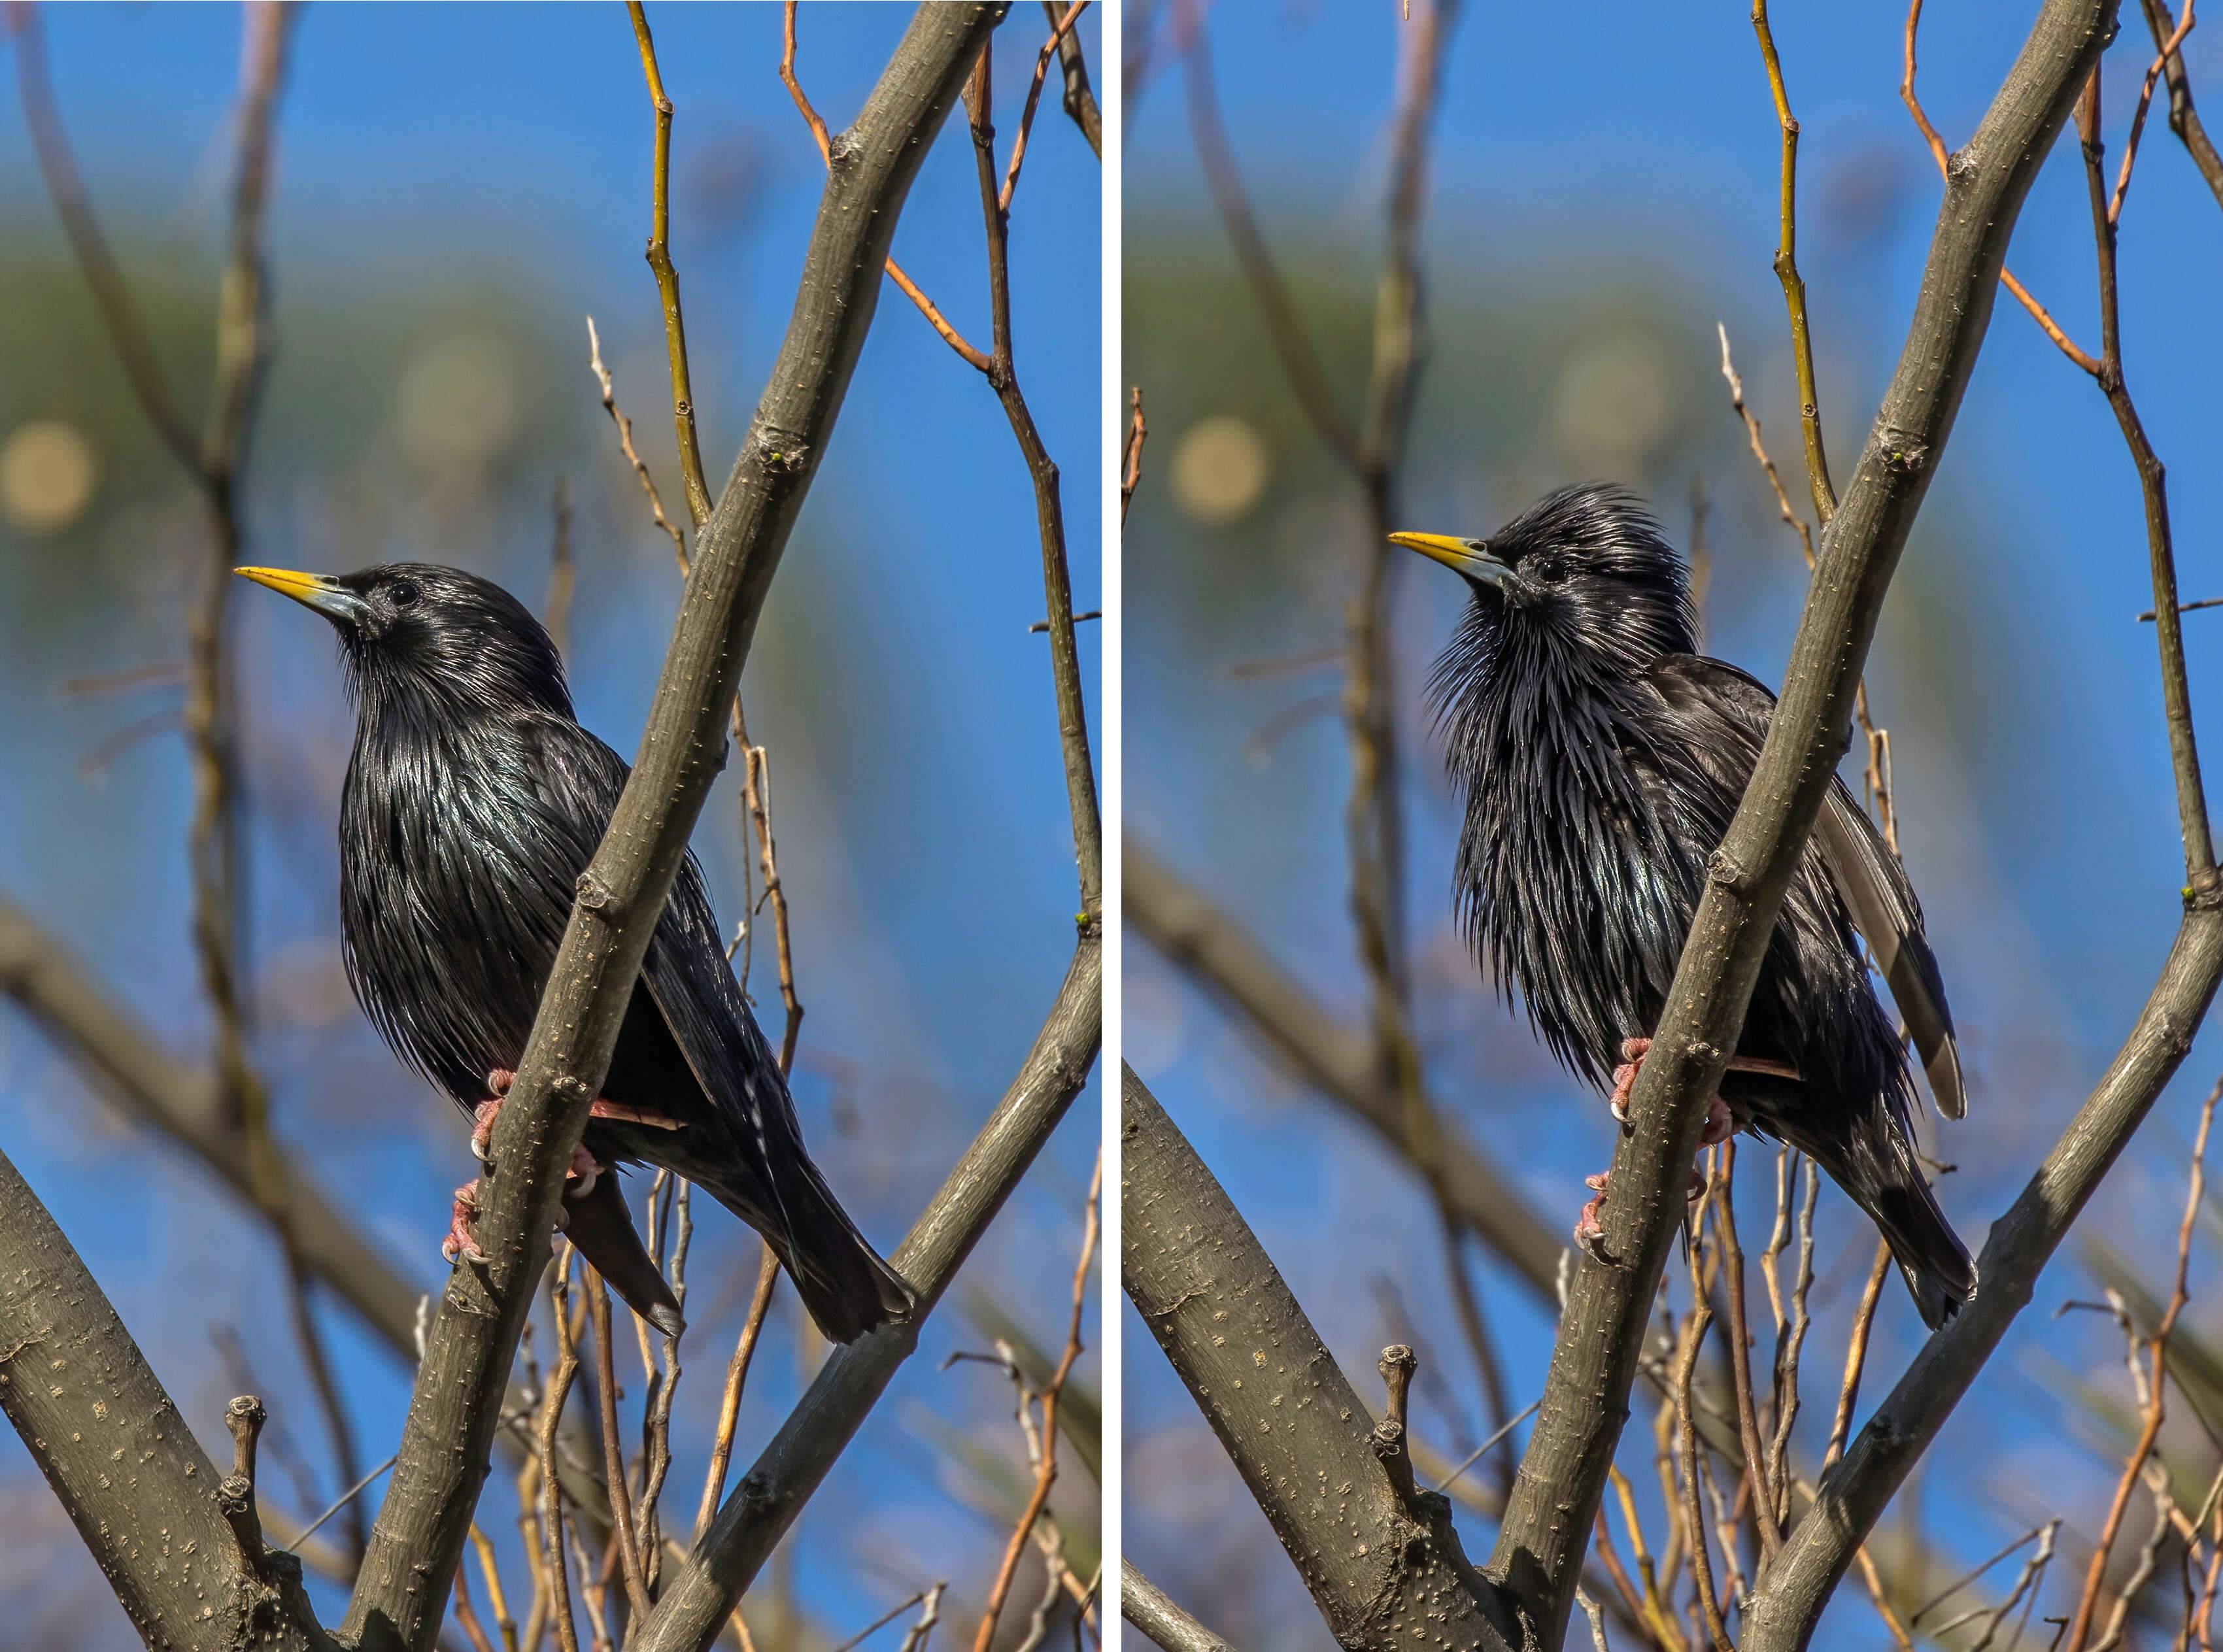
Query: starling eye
(404,594)
(1548,569)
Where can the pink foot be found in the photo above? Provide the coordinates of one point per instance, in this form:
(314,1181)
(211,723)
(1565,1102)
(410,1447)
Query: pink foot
(459,1242)
(1588,1234)
(1633,1052)
(502,1078)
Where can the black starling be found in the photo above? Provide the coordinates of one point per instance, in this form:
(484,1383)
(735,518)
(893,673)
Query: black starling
(1601,758)
(472,802)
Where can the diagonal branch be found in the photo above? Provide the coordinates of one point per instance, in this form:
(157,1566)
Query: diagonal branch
(1183,924)
(106,1433)
(2183,118)
(702,1596)
(1382,1563)
(1555,1499)
(422,1526)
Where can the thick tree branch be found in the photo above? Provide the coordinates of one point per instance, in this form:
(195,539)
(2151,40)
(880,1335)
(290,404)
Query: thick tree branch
(104,1433)
(1145,1605)
(132,1069)
(702,1596)
(1181,922)
(423,1523)
(1555,1498)
(1385,1568)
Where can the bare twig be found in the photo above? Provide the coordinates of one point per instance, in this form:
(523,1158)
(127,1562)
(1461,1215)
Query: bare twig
(737,1375)
(614,1469)
(1794,286)
(667,278)
(1046,1473)
(1080,100)
(2037,311)
(552,1416)
(2183,119)
(624,442)
(1857,1353)
(910,290)
(1130,457)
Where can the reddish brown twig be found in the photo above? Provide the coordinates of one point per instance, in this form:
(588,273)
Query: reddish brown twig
(926,307)
(1046,1476)
(737,1376)
(1759,1495)
(1130,457)
(2155,1380)
(625,441)
(614,1469)
(2038,310)
(552,1416)
(1694,1334)
(1034,98)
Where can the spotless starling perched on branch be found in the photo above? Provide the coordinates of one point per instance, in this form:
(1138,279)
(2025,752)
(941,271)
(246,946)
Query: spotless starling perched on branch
(1601,758)
(472,802)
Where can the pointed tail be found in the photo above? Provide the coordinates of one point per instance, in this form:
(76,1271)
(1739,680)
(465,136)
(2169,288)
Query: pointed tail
(1883,1177)
(848,1290)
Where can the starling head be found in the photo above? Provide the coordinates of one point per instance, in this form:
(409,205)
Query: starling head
(413,632)
(1585,572)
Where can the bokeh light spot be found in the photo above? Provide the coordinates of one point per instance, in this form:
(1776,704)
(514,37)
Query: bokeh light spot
(1220,469)
(48,472)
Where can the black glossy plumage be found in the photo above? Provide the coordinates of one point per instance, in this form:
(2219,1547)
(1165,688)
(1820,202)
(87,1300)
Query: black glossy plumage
(1600,758)
(472,802)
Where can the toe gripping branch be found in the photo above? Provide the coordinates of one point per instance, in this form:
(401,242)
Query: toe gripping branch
(579,1179)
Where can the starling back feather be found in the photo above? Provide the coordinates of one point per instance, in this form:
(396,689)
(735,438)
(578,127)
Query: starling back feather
(472,802)
(1600,758)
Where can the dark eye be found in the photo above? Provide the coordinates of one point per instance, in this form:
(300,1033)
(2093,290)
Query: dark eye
(1549,569)
(404,593)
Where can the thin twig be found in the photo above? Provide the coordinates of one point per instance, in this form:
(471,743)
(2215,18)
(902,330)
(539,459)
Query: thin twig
(563,573)
(1786,271)
(1046,1476)
(1063,28)
(614,1469)
(737,1375)
(1857,1353)
(551,1417)
(1130,457)
(625,441)
(910,290)
(1080,99)
(667,278)
(2037,311)
(1755,1457)
(1694,1334)
(756,799)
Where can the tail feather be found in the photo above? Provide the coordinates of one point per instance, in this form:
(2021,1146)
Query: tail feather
(848,1290)
(1874,1161)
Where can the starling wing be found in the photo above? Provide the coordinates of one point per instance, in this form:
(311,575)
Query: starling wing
(1867,876)
(748,1151)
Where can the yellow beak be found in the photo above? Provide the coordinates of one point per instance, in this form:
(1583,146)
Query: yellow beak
(1469,556)
(326,595)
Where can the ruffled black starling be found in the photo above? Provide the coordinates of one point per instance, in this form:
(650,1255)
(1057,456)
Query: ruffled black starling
(1600,758)
(473,802)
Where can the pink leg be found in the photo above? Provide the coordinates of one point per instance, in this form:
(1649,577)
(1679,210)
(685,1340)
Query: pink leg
(459,1242)
(1633,1052)
(499,1082)
(1590,1234)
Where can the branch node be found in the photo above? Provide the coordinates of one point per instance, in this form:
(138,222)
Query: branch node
(1726,869)
(1903,450)
(593,894)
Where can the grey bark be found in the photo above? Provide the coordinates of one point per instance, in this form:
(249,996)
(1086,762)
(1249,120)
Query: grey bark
(1145,1605)
(135,1482)
(1383,1563)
